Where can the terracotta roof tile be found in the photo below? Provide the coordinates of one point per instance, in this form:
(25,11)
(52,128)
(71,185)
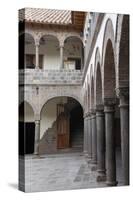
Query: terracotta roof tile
(48,16)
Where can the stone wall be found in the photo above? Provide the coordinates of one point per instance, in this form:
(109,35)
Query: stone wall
(50,77)
(48,143)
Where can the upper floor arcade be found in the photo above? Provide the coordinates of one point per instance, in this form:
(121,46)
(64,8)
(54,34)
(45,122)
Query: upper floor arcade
(51,39)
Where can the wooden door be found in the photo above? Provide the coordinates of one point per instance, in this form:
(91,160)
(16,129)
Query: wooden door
(62,127)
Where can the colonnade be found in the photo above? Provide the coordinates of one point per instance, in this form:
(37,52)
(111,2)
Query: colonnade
(99,138)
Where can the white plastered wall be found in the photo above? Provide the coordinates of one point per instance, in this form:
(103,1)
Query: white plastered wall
(49,114)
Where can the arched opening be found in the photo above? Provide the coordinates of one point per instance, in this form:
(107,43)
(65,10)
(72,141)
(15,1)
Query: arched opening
(26,51)
(110,100)
(109,72)
(98,86)
(26,129)
(110,86)
(61,126)
(49,52)
(123,84)
(73,53)
(85,100)
(92,93)
(124,53)
(89,97)
(29,51)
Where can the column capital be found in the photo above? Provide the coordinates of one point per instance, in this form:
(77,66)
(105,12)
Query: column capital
(92,111)
(88,114)
(99,110)
(109,105)
(109,109)
(61,45)
(122,92)
(37,121)
(99,107)
(37,117)
(37,43)
(85,115)
(109,101)
(123,95)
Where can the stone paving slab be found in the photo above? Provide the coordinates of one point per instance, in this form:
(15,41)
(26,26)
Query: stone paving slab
(59,172)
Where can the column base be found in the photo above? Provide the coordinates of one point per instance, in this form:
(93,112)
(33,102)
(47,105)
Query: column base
(94,168)
(101,178)
(94,162)
(113,183)
(89,157)
(36,155)
(85,154)
(89,160)
(101,171)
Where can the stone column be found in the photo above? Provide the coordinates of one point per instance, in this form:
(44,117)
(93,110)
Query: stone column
(85,137)
(110,143)
(37,56)
(94,138)
(89,137)
(100,124)
(123,94)
(37,137)
(61,57)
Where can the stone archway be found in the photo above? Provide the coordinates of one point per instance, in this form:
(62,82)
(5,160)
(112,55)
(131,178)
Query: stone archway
(49,52)
(123,90)
(109,80)
(26,129)
(61,125)
(73,53)
(26,58)
(59,91)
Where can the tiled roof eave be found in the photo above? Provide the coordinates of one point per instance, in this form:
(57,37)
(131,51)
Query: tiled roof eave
(47,23)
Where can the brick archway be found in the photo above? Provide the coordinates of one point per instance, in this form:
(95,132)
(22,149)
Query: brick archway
(98,86)
(88,89)
(123,56)
(122,50)
(108,62)
(92,100)
(97,79)
(109,72)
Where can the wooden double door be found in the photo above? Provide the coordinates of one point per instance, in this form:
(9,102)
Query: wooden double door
(63,140)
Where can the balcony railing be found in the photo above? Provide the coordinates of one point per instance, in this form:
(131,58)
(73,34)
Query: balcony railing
(50,77)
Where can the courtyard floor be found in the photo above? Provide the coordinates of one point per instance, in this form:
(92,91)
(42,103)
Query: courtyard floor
(61,172)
